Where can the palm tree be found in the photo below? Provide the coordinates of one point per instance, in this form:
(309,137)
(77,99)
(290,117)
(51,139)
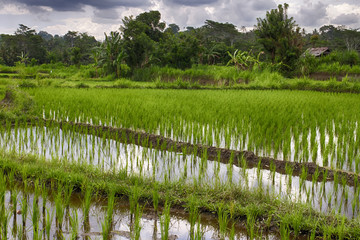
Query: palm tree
(110,54)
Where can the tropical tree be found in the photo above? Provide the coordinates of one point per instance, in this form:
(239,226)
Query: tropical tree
(244,59)
(110,54)
(140,36)
(280,36)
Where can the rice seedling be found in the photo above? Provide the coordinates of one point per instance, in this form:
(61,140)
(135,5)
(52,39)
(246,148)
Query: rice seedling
(137,225)
(284,231)
(165,222)
(59,206)
(193,215)
(48,221)
(223,219)
(74,220)
(107,223)
(251,215)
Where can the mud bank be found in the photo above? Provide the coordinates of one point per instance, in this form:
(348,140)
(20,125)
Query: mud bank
(241,159)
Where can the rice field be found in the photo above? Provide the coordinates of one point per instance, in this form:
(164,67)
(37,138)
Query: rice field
(292,126)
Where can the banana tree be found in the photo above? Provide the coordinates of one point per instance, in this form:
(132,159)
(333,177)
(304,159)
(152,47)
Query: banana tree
(110,54)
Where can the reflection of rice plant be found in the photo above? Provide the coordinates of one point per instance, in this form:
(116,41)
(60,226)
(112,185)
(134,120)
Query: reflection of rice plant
(134,197)
(48,223)
(86,202)
(74,220)
(223,220)
(165,222)
(108,220)
(193,214)
(199,233)
(137,226)
(35,215)
(59,206)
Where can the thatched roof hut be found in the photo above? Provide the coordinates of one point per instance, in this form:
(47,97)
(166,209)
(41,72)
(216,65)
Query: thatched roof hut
(318,52)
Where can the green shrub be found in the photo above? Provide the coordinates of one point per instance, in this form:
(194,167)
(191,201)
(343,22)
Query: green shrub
(27,84)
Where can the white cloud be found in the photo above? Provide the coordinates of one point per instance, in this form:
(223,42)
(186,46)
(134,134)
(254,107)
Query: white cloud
(97,19)
(13,9)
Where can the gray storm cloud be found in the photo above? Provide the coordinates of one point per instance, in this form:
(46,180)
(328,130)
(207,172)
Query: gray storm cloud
(311,14)
(347,19)
(77,5)
(191,2)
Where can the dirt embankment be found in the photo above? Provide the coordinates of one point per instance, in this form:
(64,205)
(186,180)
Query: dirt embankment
(321,76)
(238,158)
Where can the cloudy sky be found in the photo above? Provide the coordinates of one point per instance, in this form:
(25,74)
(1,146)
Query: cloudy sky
(98,16)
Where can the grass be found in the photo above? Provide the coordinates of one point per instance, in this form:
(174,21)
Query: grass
(322,127)
(265,122)
(197,77)
(208,199)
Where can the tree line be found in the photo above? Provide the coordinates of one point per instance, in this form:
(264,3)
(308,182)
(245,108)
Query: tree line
(146,40)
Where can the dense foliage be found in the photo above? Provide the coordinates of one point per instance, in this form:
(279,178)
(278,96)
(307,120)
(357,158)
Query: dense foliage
(280,37)
(145,41)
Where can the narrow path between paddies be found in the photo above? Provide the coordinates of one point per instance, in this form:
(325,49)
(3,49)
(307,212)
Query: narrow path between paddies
(242,159)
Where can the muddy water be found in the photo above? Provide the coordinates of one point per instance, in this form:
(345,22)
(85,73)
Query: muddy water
(110,155)
(21,225)
(324,148)
(331,147)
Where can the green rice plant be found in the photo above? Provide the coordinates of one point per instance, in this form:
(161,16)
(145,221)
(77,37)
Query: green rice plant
(303,177)
(315,177)
(193,214)
(134,197)
(273,171)
(223,220)
(251,215)
(155,196)
(74,220)
(20,232)
(137,225)
(199,233)
(4,221)
(284,231)
(289,173)
(35,216)
(44,194)
(110,205)
(328,230)
(60,208)
(106,229)
(107,223)
(232,232)
(295,220)
(86,201)
(165,222)
(13,204)
(48,222)
(24,207)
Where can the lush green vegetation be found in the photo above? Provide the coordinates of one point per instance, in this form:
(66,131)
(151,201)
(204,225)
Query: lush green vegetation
(145,41)
(267,122)
(233,203)
(136,80)
(290,125)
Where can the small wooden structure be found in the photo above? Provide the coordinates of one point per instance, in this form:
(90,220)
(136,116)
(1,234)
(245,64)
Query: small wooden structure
(318,52)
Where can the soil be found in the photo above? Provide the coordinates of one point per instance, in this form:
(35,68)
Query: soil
(239,158)
(321,76)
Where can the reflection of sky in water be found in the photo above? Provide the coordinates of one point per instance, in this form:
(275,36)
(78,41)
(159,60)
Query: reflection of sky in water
(170,166)
(340,140)
(299,148)
(122,221)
